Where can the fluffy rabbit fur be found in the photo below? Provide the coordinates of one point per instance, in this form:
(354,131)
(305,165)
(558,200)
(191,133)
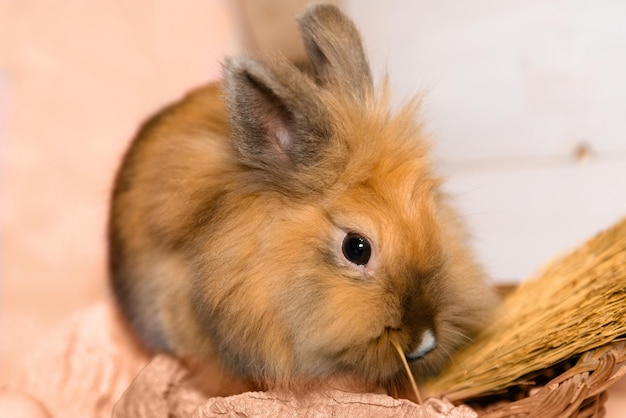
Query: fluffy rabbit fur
(286,224)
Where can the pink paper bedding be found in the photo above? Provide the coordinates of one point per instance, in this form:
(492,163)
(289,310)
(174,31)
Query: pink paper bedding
(91,363)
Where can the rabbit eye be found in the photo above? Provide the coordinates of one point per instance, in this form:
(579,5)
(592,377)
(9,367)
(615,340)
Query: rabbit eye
(356,249)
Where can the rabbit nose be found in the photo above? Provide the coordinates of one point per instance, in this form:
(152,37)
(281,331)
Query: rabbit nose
(429,342)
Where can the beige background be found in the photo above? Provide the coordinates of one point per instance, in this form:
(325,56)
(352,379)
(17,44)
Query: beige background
(76,80)
(517,93)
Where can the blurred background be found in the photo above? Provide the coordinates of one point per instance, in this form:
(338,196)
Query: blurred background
(525,102)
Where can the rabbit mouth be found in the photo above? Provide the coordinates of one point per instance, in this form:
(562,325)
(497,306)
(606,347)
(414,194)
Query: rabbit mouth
(427,344)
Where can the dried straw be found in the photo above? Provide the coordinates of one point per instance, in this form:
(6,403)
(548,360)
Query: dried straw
(577,303)
(402,356)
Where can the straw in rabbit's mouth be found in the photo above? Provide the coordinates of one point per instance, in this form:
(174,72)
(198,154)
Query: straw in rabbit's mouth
(408,370)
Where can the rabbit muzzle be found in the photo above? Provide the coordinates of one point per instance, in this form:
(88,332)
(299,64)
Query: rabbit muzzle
(427,344)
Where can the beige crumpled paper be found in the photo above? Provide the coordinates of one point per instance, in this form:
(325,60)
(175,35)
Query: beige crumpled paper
(91,361)
(163,390)
(83,366)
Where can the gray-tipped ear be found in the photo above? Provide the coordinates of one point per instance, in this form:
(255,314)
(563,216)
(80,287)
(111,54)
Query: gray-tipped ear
(335,50)
(276,119)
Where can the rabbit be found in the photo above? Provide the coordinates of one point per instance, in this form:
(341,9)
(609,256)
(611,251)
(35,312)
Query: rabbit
(286,224)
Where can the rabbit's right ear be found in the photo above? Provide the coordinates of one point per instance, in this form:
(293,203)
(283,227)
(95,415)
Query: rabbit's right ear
(335,50)
(277,121)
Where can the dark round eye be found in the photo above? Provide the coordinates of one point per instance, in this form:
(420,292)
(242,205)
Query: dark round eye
(356,249)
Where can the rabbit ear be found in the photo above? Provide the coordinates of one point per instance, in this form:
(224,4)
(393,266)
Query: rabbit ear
(334,47)
(277,121)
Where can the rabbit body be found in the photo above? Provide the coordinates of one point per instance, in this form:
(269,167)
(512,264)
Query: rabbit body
(286,224)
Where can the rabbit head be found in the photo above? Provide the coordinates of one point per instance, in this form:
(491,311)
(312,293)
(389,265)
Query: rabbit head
(330,240)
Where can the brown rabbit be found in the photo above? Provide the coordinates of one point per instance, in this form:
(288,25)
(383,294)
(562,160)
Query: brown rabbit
(285,224)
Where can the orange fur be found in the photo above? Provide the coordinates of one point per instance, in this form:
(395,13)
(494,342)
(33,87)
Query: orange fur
(230,208)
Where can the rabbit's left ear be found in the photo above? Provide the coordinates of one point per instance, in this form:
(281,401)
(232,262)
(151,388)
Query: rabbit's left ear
(278,123)
(334,47)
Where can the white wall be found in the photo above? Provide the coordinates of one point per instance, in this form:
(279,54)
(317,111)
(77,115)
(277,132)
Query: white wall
(526,102)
